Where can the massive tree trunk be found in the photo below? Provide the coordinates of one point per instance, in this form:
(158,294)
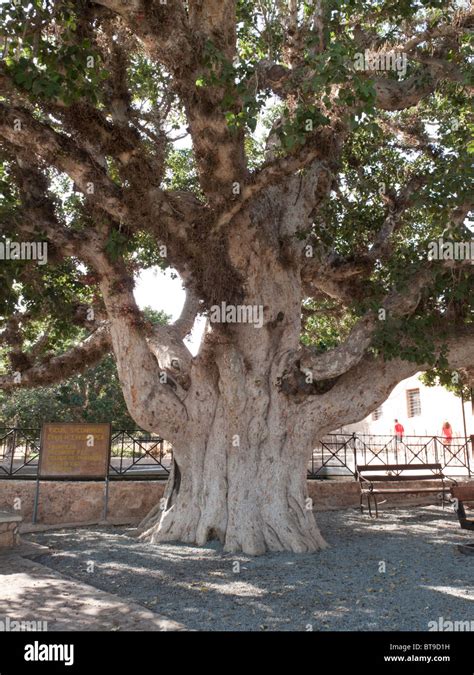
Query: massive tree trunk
(252,499)
(240,462)
(239,471)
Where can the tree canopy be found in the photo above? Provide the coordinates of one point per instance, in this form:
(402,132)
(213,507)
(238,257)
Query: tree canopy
(96,97)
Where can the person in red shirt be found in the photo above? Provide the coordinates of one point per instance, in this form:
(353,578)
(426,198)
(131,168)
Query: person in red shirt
(447,433)
(399,431)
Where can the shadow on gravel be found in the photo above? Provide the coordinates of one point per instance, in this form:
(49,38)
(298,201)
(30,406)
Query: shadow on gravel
(54,605)
(395,573)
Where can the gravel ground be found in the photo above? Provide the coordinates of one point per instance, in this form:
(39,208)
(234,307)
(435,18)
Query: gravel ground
(395,573)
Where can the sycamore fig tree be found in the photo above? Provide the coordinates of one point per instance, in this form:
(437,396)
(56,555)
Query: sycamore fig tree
(303,165)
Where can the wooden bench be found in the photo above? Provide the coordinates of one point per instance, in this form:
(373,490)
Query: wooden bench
(461,494)
(368,474)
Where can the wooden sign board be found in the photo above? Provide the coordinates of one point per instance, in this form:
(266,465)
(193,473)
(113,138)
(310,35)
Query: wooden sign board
(71,450)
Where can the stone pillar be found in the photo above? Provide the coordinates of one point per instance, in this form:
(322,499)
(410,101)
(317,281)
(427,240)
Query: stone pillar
(9,530)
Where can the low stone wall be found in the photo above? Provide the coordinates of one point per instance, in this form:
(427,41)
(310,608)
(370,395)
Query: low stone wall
(334,495)
(9,530)
(82,503)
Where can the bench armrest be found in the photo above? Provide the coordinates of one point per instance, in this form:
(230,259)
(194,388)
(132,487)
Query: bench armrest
(365,480)
(444,477)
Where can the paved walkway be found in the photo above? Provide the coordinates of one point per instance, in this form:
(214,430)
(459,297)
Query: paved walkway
(30,591)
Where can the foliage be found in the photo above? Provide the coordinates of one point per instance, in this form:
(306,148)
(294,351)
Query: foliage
(94,396)
(58,55)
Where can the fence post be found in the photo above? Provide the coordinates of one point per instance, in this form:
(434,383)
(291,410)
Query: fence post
(121,452)
(467,455)
(435,439)
(12,458)
(36,501)
(106,498)
(354,450)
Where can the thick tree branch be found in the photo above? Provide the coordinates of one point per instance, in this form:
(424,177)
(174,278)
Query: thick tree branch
(365,387)
(167,36)
(215,19)
(132,340)
(394,95)
(323,145)
(58,368)
(152,400)
(21,129)
(37,213)
(339,360)
(167,215)
(185,323)
(390,94)
(336,275)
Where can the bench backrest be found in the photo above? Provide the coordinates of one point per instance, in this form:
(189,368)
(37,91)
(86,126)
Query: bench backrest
(435,468)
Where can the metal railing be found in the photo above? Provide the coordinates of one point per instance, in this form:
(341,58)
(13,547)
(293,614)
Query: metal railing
(19,451)
(134,454)
(337,455)
(137,455)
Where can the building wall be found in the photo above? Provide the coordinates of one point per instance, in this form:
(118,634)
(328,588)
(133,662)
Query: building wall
(437,406)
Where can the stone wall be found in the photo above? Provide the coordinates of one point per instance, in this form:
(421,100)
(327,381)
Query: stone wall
(9,530)
(75,502)
(81,502)
(331,495)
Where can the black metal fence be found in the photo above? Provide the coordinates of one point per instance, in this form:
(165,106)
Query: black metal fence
(140,456)
(134,454)
(337,455)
